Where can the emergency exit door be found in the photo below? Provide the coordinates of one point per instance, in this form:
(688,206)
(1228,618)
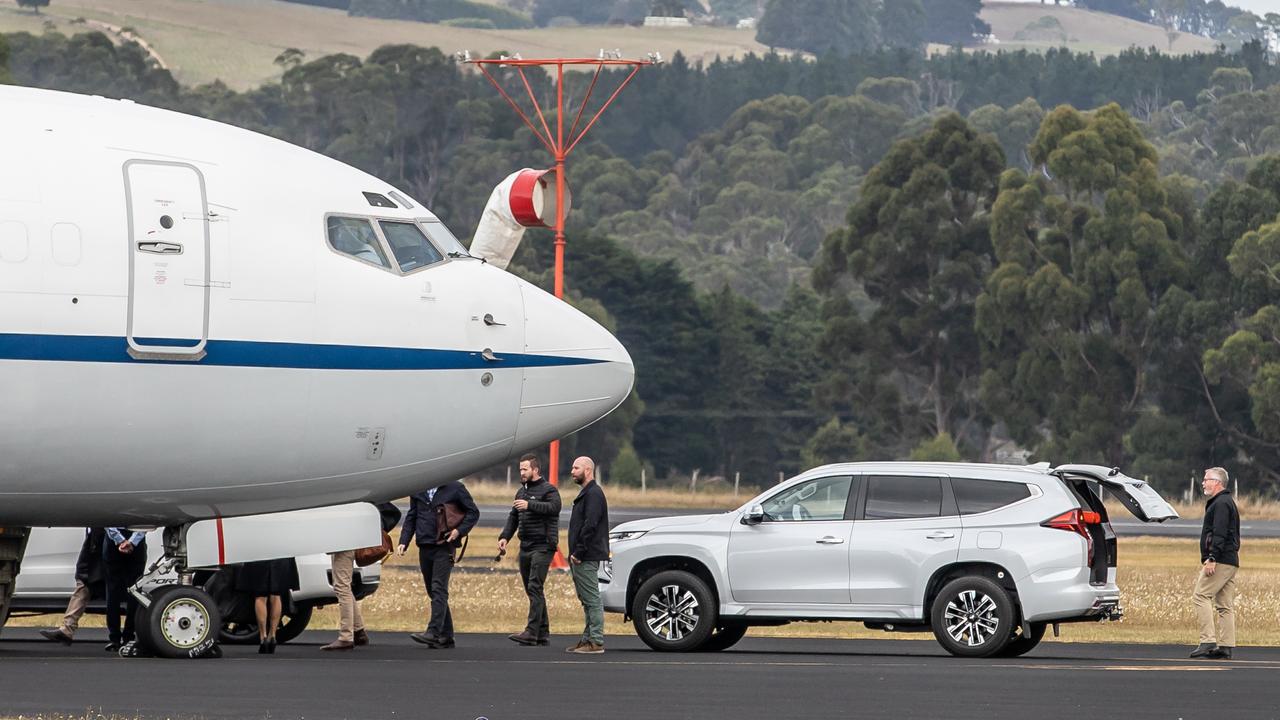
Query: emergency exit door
(168,260)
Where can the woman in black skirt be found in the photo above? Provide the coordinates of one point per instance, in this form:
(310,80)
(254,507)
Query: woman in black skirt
(267,581)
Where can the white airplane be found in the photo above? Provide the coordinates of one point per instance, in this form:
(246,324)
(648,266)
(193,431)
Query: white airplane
(198,321)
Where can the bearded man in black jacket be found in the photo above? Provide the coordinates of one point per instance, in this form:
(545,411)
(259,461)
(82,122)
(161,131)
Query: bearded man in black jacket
(536,514)
(1215,590)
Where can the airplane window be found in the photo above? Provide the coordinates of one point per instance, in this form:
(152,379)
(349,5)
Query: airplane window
(410,246)
(441,236)
(355,237)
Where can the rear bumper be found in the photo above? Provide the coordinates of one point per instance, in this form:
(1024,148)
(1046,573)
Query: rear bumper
(1066,595)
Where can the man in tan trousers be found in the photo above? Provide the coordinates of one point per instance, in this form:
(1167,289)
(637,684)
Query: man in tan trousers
(351,630)
(1215,592)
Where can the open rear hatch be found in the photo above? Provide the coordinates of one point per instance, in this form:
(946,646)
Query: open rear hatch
(1137,496)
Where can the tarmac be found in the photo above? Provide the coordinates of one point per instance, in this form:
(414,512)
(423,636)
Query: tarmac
(488,676)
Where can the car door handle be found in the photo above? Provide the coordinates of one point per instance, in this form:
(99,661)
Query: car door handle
(829,540)
(940,535)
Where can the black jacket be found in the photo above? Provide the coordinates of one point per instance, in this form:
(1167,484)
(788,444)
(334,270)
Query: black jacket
(589,524)
(1220,536)
(539,525)
(420,521)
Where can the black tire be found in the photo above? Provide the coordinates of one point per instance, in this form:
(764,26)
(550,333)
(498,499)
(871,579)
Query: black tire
(685,631)
(183,622)
(973,617)
(724,638)
(1022,644)
(246,633)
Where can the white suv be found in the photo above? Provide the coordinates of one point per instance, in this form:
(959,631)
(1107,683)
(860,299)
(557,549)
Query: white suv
(985,556)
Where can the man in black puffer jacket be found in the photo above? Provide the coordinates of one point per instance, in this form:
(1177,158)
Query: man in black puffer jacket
(1215,590)
(536,514)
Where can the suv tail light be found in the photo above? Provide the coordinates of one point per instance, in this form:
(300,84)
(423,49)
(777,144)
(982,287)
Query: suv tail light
(1078,522)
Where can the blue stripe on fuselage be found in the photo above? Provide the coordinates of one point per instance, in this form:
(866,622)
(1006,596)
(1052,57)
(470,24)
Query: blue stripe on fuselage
(246,353)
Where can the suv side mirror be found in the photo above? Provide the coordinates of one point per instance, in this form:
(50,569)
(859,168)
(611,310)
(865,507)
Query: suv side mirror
(754,515)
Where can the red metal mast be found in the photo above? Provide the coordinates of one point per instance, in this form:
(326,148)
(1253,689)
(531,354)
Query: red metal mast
(560,144)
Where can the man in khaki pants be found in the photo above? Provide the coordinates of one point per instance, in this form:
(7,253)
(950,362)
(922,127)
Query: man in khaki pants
(1215,591)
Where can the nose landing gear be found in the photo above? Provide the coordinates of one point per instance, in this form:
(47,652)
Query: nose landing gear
(178,619)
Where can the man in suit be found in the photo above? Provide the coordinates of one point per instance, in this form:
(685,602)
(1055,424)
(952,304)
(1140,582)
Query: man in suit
(436,546)
(124,559)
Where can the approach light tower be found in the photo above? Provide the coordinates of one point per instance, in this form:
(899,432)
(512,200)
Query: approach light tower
(560,143)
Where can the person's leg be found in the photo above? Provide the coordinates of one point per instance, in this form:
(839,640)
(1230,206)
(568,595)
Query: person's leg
(539,564)
(275,611)
(261,614)
(137,565)
(442,568)
(341,563)
(587,585)
(1225,602)
(75,609)
(115,595)
(531,623)
(1202,597)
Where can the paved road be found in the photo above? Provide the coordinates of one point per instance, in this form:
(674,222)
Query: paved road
(760,678)
(496,515)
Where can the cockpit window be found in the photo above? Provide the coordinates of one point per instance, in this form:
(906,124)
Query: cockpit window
(356,237)
(411,248)
(441,236)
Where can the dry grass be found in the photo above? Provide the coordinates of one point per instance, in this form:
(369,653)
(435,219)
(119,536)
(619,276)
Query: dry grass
(1087,31)
(237,40)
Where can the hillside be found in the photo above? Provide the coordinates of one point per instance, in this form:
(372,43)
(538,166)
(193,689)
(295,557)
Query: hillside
(1034,26)
(237,40)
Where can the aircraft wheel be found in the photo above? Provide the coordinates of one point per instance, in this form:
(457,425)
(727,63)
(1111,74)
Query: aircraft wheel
(183,622)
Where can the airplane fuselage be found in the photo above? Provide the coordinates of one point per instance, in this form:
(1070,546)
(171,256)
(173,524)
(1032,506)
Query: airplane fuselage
(187,329)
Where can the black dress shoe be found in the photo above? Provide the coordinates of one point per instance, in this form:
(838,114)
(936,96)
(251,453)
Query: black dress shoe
(111,647)
(424,638)
(1203,650)
(1222,652)
(56,636)
(441,643)
(262,648)
(544,641)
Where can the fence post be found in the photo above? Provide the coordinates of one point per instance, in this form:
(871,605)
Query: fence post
(508,476)
(600,477)
(736,476)
(643,483)
(781,477)
(693,481)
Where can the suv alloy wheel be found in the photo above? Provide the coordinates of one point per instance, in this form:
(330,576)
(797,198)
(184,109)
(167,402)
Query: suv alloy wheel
(674,611)
(973,617)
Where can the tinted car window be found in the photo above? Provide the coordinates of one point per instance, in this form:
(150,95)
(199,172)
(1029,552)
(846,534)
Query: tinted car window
(820,499)
(976,496)
(892,498)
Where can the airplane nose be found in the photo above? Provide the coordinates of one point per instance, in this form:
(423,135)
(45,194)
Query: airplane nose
(578,371)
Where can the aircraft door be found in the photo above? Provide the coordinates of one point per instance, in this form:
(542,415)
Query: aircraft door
(168,260)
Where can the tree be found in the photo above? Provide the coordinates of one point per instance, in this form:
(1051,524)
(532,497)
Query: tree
(35,5)
(1088,260)
(841,27)
(903,24)
(918,243)
(954,22)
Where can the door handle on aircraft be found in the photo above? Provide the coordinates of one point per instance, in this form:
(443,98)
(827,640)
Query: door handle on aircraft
(488,320)
(940,535)
(159,248)
(488,355)
(829,540)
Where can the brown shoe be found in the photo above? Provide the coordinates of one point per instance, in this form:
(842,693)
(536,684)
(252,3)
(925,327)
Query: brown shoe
(589,648)
(340,645)
(361,638)
(523,638)
(578,645)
